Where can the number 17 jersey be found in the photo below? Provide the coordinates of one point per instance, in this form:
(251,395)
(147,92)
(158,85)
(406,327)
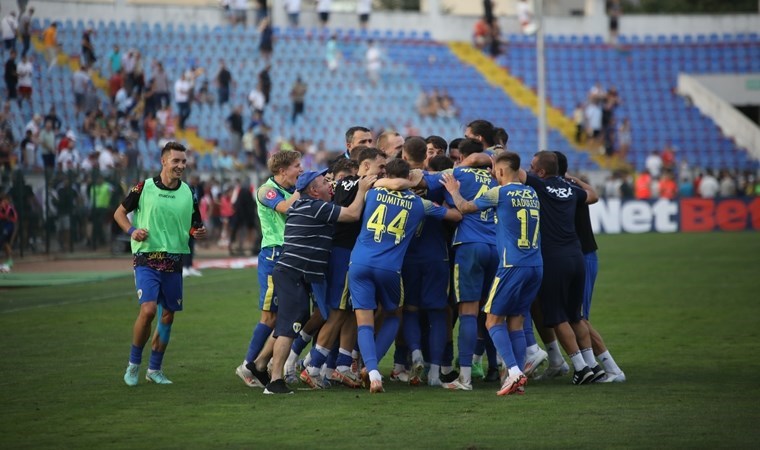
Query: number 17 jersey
(517,224)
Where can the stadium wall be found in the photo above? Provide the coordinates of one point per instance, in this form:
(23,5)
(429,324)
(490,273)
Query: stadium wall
(688,215)
(442,27)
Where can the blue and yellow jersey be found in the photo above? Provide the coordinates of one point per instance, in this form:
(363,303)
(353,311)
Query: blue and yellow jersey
(478,226)
(389,221)
(430,242)
(517,223)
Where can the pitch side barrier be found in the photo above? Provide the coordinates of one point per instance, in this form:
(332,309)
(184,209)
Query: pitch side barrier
(687,215)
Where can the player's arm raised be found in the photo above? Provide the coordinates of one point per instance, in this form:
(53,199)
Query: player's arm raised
(592,197)
(283,206)
(353,212)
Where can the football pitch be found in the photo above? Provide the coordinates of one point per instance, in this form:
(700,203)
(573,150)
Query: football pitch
(680,313)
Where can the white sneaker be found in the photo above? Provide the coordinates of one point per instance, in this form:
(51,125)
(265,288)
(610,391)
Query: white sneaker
(185,272)
(247,377)
(402,376)
(554,372)
(415,375)
(192,271)
(457,385)
(533,361)
(5,268)
(613,378)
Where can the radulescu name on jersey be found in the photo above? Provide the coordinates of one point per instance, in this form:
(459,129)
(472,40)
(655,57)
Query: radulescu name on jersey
(525,203)
(396,198)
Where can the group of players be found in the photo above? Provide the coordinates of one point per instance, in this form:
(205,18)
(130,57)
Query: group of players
(403,237)
(399,241)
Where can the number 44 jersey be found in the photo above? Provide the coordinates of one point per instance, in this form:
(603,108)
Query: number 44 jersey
(388,224)
(517,224)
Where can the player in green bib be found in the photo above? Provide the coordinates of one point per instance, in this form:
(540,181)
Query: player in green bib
(273,198)
(165,216)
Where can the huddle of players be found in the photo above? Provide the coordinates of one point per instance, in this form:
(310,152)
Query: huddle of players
(507,238)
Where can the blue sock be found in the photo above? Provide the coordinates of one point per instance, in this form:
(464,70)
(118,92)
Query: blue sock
(318,356)
(437,336)
(344,359)
(468,334)
(448,353)
(400,354)
(299,344)
(490,352)
(518,347)
(385,336)
(332,357)
(135,355)
(156,358)
(500,337)
(260,335)
(411,328)
(530,338)
(365,338)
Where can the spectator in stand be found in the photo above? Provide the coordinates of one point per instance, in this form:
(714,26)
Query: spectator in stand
(667,186)
(293,9)
(653,163)
(256,100)
(7,143)
(47,146)
(614,11)
(593,116)
(363,10)
(298,95)
(182,89)
(624,138)
(224,83)
(525,17)
(88,50)
(25,70)
(11,76)
(243,219)
(9,26)
(25,30)
(50,39)
(265,82)
(481,34)
(161,85)
(728,187)
(8,220)
(668,157)
(323,11)
(266,39)
(579,119)
(115,83)
(80,85)
(234,124)
(261,11)
(612,186)
(374,62)
(239,12)
(685,187)
(68,158)
(28,151)
(114,59)
(332,54)
(643,186)
(708,186)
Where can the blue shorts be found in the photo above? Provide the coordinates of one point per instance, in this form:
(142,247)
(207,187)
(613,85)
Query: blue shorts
(513,291)
(6,231)
(561,290)
(337,279)
(370,285)
(164,288)
(592,268)
(267,297)
(294,310)
(475,266)
(426,285)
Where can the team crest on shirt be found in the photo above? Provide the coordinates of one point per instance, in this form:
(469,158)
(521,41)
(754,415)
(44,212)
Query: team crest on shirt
(297,327)
(271,194)
(560,192)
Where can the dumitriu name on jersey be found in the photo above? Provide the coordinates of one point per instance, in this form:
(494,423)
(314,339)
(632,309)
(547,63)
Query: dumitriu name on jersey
(396,198)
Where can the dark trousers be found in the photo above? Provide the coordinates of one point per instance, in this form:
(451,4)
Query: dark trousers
(184,113)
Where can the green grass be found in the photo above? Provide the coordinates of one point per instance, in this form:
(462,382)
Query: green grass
(680,314)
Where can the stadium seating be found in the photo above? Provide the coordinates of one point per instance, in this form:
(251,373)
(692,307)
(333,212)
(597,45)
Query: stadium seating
(644,70)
